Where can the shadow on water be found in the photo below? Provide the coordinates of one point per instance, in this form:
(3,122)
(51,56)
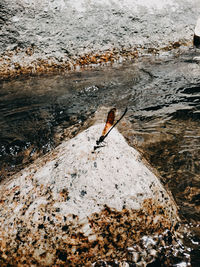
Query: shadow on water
(163,120)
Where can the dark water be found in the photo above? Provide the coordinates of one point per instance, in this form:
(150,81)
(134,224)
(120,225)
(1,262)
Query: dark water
(163,121)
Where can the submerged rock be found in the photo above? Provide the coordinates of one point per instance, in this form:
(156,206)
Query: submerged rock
(76,206)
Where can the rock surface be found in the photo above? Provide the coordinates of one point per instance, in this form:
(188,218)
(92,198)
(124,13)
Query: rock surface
(41,36)
(76,206)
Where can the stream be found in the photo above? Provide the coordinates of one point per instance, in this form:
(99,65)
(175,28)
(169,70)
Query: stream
(163,120)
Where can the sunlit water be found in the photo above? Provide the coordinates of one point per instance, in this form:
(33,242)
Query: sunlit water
(163,120)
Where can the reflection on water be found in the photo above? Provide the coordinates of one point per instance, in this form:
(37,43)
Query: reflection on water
(163,97)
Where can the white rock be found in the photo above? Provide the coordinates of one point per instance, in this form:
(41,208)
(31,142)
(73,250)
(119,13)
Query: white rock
(197,28)
(58,202)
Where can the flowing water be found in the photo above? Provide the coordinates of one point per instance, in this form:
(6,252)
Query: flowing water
(163,121)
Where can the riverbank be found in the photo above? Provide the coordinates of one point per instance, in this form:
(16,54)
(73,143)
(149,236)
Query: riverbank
(58,36)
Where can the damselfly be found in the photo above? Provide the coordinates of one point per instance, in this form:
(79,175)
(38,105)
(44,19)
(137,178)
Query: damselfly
(109,126)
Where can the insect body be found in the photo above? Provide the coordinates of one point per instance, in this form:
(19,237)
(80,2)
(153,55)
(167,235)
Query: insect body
(109,125)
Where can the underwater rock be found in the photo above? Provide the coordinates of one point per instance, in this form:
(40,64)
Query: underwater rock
(76,206)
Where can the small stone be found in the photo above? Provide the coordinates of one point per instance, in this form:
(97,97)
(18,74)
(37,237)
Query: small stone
(135,256)
(153,252)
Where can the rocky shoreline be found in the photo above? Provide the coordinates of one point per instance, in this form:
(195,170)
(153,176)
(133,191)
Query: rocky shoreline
(60,36)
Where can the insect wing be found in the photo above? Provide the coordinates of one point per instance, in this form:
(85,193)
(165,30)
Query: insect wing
(109,121)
